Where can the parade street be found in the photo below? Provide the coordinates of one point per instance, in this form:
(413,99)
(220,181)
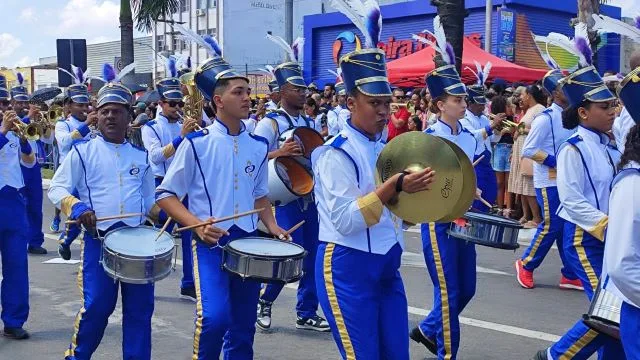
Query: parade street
(502,322)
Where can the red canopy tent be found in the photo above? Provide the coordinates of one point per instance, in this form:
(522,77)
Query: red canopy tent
(410,70)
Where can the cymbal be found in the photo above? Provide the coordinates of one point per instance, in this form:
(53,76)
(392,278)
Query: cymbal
(416,151)
(468,187)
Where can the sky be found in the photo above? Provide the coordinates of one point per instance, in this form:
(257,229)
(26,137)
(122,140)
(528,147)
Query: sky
(29,28)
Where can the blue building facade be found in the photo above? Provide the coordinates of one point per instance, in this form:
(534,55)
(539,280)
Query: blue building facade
(327,36)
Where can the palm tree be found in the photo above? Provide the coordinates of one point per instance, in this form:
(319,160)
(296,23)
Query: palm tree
(452,14)
(585,9)
(146,13)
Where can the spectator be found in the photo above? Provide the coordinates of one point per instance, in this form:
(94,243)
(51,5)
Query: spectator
(415,124)
(399,115)
(312,110)
(416,102)
(501,160)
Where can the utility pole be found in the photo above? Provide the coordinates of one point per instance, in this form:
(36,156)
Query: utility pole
(487,26)
(288,20)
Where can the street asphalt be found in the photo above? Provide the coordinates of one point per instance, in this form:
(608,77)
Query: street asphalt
(502,322)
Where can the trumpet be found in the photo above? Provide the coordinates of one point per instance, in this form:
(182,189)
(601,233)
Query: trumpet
(30,132)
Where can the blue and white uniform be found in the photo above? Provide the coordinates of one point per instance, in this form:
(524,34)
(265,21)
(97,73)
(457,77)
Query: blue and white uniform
(108,179)
(621,126)
(67,132)
(480,127)
(542,145)
(586,166)
(451,263)
(202,169)
(14,300)
(361,243)
(33,189)
(337,119)
(271,128)
(161,138)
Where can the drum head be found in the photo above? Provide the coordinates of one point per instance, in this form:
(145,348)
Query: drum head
(294,176)
(308,138)
(265,247)
(138,241)
(471,215)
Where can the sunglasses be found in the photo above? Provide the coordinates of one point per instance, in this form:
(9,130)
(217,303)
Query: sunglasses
(174,103)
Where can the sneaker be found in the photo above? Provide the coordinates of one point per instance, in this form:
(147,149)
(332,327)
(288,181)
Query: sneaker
(15,333)
(55,225)
(64,251)
(315,322)
(569,284)
(188,294)
(524,276)
(264,315)
(36,250)
(541,355)
(417,336)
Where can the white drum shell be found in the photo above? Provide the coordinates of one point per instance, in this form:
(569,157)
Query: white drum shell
(604,313)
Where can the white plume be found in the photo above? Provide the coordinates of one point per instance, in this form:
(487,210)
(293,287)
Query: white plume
(605,24)
(126,70)
(283,44)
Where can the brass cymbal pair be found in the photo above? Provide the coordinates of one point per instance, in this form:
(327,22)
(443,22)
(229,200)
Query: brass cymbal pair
(453,190)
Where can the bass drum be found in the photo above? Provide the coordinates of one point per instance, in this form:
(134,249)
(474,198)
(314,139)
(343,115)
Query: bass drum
(306,137)
(288,180)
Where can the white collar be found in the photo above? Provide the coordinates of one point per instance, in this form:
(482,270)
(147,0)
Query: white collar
(593,135)
(220,127)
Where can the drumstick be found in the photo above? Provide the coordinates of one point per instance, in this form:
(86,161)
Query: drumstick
(114,217)
(166,223)
(478,160)
(294,228)
(485,202)
(215,221)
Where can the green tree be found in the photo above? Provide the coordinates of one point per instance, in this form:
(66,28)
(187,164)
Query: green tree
(146,12)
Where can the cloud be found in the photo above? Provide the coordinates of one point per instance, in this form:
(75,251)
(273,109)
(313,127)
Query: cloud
(88,18)
(8,45)
(25,61)
(28,15)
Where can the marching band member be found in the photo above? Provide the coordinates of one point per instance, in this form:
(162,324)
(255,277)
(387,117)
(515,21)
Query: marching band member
(274,96)
(623,123)
(223,170)
(291,115)
(161,138)
(479,125)
(357,266)
(451,262)
(110,176)
(14,152)
(622,249)
(5,101)
(77,126)
(32,175)
(586,164)
(542,143)
(337,117)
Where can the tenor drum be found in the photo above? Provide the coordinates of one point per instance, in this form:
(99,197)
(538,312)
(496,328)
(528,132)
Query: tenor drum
(288,180)
(306,137)
(133,255)
(264,259)
(604,313)
(487,230)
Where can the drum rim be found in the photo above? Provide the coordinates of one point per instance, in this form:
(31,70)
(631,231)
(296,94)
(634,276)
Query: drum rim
(119,253)
(229,249)
(263,279)
(496,245)
(498,220)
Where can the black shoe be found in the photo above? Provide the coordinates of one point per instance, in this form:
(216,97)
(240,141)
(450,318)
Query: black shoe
(541,355)
(15,333)
(64,251)
(417,336)
(264,315)
(36,250)
(188,294)
(315,323)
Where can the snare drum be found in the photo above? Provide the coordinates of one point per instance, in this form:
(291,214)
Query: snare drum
(487,230)
(604,313)
(133,255)
(264,259)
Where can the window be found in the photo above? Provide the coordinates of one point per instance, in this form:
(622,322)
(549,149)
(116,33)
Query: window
(177,44)
(160,43)
(184,5)
(211,32)
(213,3)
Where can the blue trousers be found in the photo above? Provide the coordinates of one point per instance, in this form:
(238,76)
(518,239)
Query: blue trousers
(99,297)
(14,289)
(452,268)
(584,254)
(226,305)
(363,297)
(187,257)
(307,237)
(69,234)
(32,191)
(630,330)
(487,181)
(550,230)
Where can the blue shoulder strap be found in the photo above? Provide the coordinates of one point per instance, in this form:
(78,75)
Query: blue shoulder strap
(337,144)
(573,141)
(623,173)
(197,134)
(150,125)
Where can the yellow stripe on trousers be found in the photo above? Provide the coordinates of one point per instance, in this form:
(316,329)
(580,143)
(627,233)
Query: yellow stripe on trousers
(545,229)
(584,260)
(335,306)
(444,298)
(579,345)
(196,281)
(76,324)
